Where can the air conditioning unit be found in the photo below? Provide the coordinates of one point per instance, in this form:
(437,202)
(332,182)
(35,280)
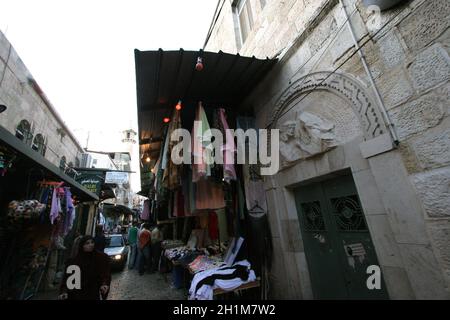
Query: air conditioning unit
(86,160)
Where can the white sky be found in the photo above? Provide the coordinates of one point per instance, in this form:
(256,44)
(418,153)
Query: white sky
(81,53)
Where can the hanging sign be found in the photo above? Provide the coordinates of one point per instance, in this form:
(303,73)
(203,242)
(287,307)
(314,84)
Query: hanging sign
(91,180)
(116,177)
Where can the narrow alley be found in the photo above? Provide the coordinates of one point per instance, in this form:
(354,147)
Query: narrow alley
(129,285)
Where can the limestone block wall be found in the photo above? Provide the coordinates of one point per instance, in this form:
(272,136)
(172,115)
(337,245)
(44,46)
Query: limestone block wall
(24,103)
(405,190)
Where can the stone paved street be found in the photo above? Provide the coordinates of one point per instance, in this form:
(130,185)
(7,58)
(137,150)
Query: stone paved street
(128,285)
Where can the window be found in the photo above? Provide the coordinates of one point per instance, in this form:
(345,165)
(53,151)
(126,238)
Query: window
(62,163)
(23,132)
(39,144)
(244,12)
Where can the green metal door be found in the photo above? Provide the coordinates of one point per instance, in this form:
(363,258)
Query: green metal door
(337,242)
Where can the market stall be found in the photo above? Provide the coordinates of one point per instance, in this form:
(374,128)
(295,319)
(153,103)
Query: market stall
(39,207)
(217,208)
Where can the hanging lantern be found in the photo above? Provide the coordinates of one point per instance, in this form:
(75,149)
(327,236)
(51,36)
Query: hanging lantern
(178,106)
(199,65)
(166,120)
(148,159)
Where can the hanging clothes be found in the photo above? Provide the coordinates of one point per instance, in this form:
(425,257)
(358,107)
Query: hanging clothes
(209,195)
(253,182)
(223,225)
(192,193)
(46,196)
(54,211)
(202,149)
(172,173)
(228,149)
(213,225)
(186,182)
(178,208)
(70,216)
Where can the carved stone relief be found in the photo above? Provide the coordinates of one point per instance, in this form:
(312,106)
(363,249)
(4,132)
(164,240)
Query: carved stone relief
(321,111)
(305,136)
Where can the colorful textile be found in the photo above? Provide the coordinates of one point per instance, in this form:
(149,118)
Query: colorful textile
(209,195)
(54,211)
(228,149)
(253,181)
(201,147)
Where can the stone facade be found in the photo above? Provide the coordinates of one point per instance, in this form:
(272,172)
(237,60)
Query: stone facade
(403,185)
(18,91)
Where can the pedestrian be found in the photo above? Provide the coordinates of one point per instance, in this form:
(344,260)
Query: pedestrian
(132,241)
(94,274)
(100,239)
(144,240)
(157,238)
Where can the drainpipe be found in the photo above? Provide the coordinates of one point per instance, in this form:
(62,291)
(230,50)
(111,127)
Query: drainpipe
(380,101)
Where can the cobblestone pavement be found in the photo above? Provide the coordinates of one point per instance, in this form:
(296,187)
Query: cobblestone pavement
(129,285)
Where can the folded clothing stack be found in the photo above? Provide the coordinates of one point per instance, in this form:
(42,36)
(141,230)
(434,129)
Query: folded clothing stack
(171,244)
(225,278)
(202,263)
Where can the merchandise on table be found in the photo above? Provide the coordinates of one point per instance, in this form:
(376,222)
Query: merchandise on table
(225,278)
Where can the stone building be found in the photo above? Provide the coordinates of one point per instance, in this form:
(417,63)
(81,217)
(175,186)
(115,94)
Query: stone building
(30,115)
(365,141)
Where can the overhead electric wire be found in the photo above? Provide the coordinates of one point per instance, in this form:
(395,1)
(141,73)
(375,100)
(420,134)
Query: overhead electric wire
(337,68)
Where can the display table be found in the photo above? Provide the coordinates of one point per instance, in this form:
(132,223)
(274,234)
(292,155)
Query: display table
(249,285)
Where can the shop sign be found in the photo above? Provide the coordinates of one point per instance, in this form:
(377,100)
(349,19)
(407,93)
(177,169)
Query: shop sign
(116,177)
(92,181)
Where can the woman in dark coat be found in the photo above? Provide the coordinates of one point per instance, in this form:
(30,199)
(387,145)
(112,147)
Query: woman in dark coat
(95,274)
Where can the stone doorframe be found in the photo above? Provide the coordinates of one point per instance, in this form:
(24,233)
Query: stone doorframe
(392,209)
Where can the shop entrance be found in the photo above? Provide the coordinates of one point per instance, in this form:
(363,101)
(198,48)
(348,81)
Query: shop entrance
(337,242)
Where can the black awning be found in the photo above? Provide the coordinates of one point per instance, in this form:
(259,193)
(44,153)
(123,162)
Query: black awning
(164,77)
(30,159)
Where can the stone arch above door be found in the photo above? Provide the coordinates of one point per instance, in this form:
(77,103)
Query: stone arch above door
(342,85)
(321,111)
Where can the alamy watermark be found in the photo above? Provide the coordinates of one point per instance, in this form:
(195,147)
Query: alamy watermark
(209,147)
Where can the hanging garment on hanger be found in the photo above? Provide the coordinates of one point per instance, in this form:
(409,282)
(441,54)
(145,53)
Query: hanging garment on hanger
(255,194)
(209,195)
(192,194)
(186,193)
(228,149)
(223,225)
(202,149)
(178,209)
(54,211)
(173,171)
(45,200)
(69,210)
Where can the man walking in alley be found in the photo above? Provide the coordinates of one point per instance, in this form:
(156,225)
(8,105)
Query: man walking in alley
(144,240)
(132,241)
(100,239)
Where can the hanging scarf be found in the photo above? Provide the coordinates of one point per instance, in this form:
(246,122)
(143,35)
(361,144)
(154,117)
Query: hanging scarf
(54,211)
(228,149)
